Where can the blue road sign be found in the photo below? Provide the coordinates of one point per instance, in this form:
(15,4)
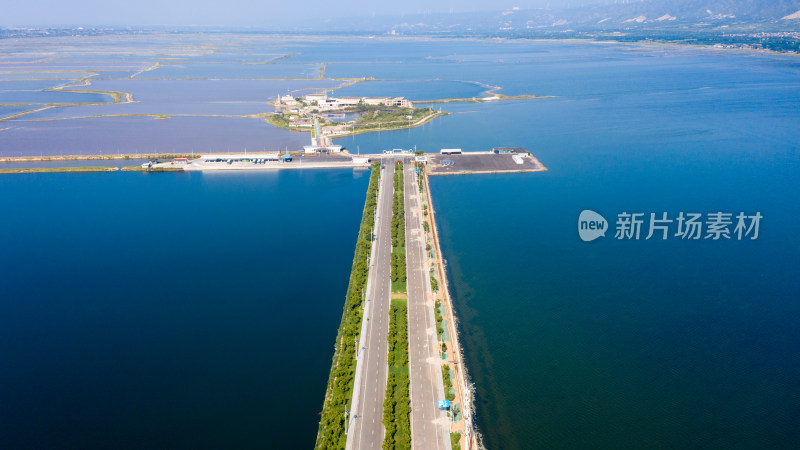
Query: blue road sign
(444,404)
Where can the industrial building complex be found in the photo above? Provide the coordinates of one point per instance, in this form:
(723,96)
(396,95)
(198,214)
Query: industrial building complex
(321,102)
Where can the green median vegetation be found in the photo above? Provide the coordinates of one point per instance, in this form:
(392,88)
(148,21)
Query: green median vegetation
(398,258)
(455,440)
(434,283)
(448,384)
(439,319)
(397,403)
(340,381)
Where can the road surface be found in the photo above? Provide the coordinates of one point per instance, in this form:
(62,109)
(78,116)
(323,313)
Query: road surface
(429,425)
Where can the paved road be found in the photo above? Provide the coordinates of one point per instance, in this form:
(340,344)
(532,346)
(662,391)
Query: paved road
(429,426)
(367,430)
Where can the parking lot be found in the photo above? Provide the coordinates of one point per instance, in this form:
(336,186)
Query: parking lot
(482,162)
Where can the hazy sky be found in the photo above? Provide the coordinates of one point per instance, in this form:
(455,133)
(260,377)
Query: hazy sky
(264,13)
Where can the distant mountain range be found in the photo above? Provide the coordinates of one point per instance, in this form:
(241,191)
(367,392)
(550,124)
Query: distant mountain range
(664,14)
(771,24)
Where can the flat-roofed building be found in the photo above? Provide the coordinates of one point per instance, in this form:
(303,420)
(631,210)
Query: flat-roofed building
(401,102)
(319,98)
(344,102)
(287,100)
(375,101)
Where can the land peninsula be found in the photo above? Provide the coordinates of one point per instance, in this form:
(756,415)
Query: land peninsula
(345,116)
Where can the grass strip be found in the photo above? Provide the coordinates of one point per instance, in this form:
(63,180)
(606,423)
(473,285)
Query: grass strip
(397,403)
(438,315)
(398,258)
(455,438)
(448,383)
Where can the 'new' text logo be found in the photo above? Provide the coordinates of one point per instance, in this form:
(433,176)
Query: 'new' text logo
(591,225)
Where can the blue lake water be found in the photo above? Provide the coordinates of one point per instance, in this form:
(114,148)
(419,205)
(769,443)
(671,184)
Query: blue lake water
(625,344)
(631,344)
(609,344)
(27,75)
(171,310)
(6,111)
(115,74)
(145,134)
(56,66)
(192,97)
(53,97)
(232,71)
(27,85)
(75,163)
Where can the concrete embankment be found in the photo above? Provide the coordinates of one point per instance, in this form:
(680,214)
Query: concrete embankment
(277,166)
(105,157)
(58,170)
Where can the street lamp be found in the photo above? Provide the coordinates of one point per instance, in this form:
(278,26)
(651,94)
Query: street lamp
(449,422)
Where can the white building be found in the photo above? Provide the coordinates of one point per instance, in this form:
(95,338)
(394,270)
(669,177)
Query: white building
(325,103)
(319,98)
(288,100)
